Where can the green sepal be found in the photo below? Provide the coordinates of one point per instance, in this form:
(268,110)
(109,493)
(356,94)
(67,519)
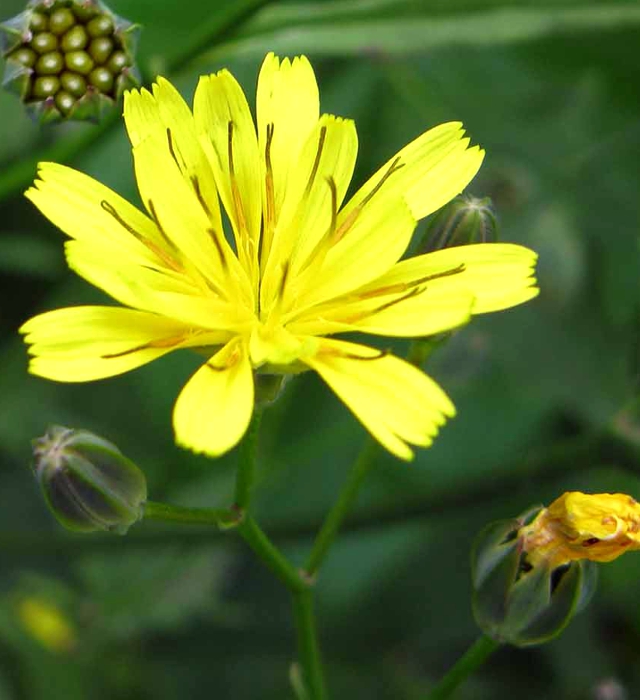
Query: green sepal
(13,31)
(17,78)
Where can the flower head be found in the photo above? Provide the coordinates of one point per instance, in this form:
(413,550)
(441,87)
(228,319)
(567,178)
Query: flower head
(598,527)
(299,267)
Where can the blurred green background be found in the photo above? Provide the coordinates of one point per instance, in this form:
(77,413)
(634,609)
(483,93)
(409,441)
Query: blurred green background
(545,392)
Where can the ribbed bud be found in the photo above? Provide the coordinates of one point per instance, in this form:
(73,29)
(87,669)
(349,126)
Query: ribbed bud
(54,42)
(516,602)
(464,220)
(87,482)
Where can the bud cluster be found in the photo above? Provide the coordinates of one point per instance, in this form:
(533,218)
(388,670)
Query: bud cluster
(68,59)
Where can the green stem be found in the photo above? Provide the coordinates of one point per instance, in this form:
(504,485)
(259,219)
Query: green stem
(469,662)
(248,452)
(341,508)
(419,351)
(165,512)
(308,648)
(270,555)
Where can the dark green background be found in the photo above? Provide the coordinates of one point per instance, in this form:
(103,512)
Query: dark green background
(545,392)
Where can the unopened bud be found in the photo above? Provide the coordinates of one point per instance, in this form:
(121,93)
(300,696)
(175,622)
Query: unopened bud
(53,44)
(87,482)
(520,603)
(464,220)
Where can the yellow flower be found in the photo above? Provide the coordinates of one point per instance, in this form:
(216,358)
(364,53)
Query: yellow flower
(47,623)
(599,527)
(300,265)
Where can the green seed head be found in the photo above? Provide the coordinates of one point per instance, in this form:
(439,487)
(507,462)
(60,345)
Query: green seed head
(76,47)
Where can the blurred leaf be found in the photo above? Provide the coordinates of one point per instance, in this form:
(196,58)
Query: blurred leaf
(342,28)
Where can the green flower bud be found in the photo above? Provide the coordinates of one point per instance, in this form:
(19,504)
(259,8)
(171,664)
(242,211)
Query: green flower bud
(464,220)
(55,37)
(87,482)
(521,604)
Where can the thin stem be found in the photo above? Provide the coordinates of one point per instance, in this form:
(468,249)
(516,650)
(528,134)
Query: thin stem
(469,662)
(308,648)
(341,508)
(270,555)
(248,451)
(165,512)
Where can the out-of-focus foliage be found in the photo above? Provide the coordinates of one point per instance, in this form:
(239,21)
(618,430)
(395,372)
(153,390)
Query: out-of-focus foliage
(551,89)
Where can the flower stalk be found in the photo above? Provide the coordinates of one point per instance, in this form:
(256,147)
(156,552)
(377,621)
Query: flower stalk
(467,664)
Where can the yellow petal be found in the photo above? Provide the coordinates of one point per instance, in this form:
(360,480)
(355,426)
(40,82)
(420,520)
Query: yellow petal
(184,222)
(214,409)
(288,107)
(133,285)
(397,403)
(323,170)
(166,116)
(227,133)
(426,173)
(90,212)
(403,315)
(82,343)
(373,245)
(499,275)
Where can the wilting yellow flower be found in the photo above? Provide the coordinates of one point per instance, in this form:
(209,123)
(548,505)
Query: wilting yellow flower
(46,623)
(599,527)
(300,266)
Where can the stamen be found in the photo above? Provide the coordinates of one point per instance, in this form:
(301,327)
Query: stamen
(352,356)
(218,245)
(270,193)
(283,280)
(334,206)
(156,250)
(357,210)
(154,216)
(316,163)
(241,221)
(203,202)
(230,148)
(171,149)
(110,209)
(160,343)
(400,287)
(437,275)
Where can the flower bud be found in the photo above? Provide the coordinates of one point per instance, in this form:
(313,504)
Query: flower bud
(73,38)
(464,220)
(520,603)
(87,482)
